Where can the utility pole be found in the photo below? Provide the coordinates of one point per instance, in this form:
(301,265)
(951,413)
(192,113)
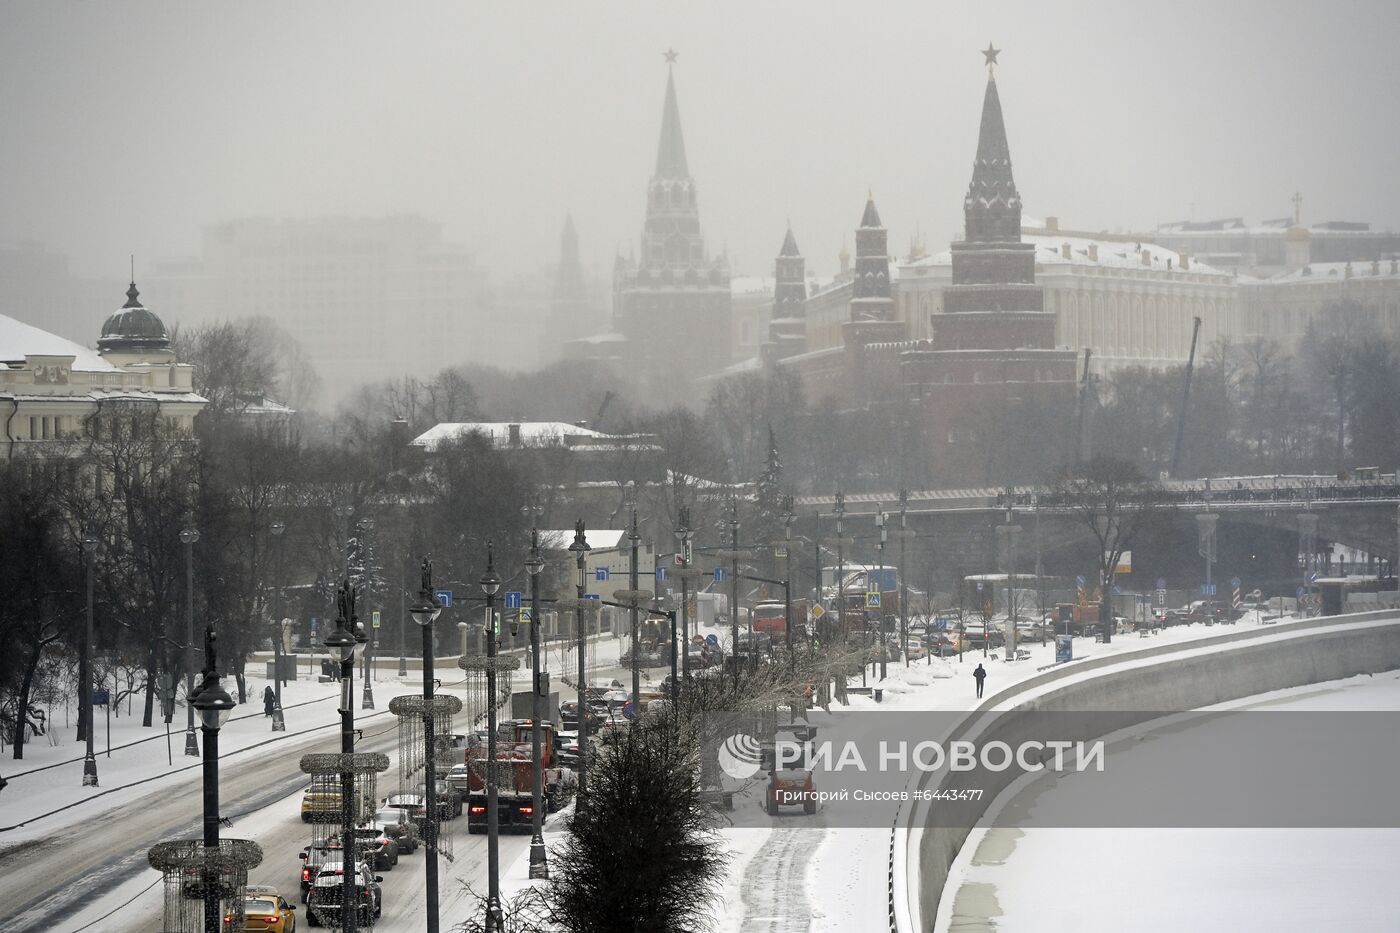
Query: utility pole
(634,538)
(880,619)
(279,724)
(734,581)
(539,859)
(787,571)
(580,549)
(85,693)
(904,535)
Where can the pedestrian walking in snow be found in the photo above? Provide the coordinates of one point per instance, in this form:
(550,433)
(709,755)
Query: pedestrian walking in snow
(979,675)
(269,701)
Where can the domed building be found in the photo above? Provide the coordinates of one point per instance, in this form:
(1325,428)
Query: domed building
(134,330)
(51,387)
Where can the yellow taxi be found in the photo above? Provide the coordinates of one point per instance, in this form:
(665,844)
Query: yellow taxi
(267,911)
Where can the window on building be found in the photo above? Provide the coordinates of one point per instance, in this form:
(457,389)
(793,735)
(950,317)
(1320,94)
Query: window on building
(33,427)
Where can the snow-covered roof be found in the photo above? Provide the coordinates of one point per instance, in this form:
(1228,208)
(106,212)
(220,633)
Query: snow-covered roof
(599,539)
(1234,226)
(602,338)
(18,339)
(1316,272)
(1111,254)
(532,433)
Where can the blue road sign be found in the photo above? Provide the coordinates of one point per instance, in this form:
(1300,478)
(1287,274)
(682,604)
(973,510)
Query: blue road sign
(1079,581)
(941,624)
(314,620)
(512,599)
(444,598)
(720,574)
(99,697)
(872,600)
(600,574)
(591,596)
(1207,589)
(1161,583)
(1302,591)
(712,640)
(1064,649)
(1235,582)
(660,573)
(1117,590)
(1312,577)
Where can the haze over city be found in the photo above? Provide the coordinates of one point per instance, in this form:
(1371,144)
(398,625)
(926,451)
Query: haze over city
(131,126)
(722,467)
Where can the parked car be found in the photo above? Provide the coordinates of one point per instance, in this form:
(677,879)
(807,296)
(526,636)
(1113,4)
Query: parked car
(267,911)
(328,887)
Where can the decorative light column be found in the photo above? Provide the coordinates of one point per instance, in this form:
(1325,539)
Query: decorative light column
(189,537)
(214,706)
(495,919)
(344,643)
(425,613)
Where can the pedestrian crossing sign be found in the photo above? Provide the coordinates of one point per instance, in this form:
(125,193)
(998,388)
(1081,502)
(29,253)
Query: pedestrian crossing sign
(872,599)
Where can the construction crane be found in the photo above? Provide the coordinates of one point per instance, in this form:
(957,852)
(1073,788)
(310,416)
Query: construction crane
(1080,450)
(1185,398)
(602,409)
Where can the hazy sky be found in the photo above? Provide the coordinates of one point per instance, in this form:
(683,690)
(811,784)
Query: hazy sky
(129,125)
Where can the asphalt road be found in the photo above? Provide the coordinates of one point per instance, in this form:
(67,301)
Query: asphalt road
(51,881)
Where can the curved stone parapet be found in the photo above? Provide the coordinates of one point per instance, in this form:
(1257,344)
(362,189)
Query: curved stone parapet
(1139,686)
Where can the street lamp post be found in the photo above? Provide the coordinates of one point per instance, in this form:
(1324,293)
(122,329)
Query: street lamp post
(344,643)
(425,613)
(189,537)
(490,585)
(734,582)
(403,658)
(580,549)
(634,538)
(85,697)
(880,619)
(367,696)
(787,571)
(903,579)
(214,706)
(279,724)
(683,538)
(539,859)
(840,510)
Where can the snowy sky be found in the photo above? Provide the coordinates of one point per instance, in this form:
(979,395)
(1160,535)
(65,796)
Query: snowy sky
(128,126)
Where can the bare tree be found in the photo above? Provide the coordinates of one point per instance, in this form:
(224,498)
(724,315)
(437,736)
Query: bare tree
(1113,500)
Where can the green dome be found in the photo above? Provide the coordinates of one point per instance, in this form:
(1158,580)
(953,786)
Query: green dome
(133,327)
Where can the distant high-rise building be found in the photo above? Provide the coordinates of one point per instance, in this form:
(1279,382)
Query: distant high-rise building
(672,303)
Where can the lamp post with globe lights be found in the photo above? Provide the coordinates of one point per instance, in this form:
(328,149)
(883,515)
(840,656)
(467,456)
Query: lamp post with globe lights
(344,643)
(214,705)
(425,612)
(539,859)
(490,586)
(189,537)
